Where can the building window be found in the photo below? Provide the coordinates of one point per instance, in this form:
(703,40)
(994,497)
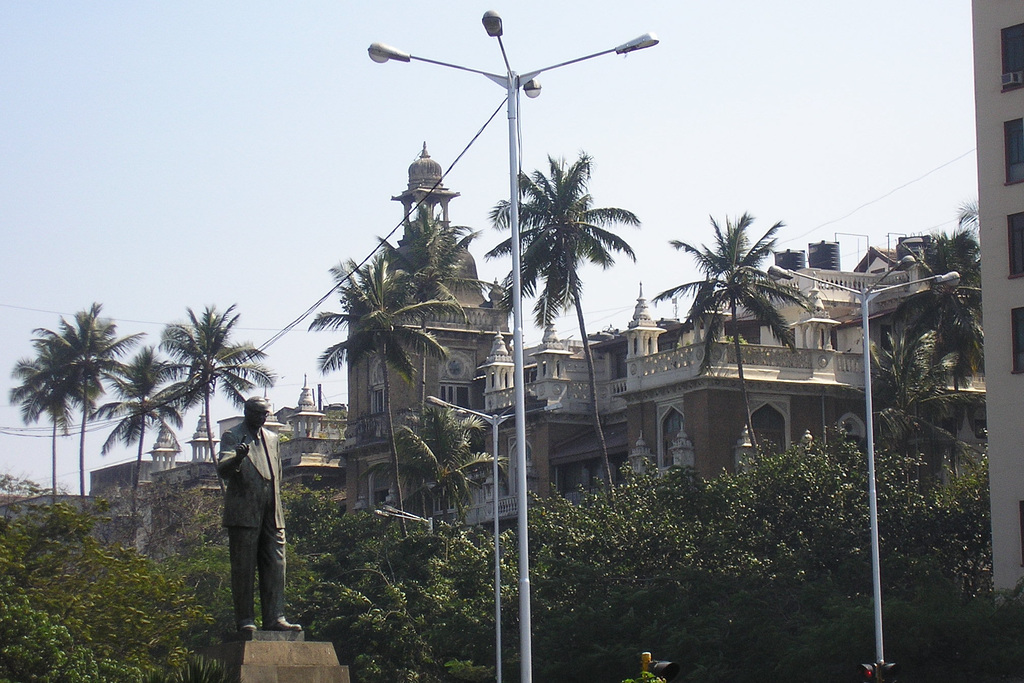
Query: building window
(770,428)
(853,427)
(1017,325)
(456,394)
(1013,134)
(377,400)
(1013,56)
(619,368)
(1015,226)
(885,337)
(671,425)
(573,476)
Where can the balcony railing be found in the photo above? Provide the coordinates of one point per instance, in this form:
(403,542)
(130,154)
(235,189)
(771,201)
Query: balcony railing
(481,513)
(759,362)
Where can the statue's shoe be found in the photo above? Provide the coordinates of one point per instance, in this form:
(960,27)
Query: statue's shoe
(283,624)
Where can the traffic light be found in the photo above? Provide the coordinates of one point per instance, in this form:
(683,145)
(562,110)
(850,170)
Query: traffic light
(666,671)
(883,672)
(887,672)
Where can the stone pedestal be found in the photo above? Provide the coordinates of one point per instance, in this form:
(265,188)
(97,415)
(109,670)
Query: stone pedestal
(278,657)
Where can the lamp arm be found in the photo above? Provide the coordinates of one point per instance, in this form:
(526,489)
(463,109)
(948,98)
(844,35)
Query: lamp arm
(931,278)
(494,77)
(533,74)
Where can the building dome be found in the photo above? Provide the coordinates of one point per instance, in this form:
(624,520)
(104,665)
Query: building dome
(424,172)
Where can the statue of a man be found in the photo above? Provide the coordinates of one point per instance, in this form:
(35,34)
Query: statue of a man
(250,464)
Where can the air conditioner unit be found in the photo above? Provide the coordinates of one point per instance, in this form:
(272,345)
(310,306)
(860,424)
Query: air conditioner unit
(1013,78)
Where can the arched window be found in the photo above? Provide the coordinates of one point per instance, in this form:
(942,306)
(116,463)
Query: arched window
(376,387)
(853,427)
(770,428)
(671,425)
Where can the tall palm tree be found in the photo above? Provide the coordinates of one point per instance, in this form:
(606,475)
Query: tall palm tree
(90,350)
(560,231)
(733,281)
(434,254)
(953,313)
(144,401)
(910,383)
(207,360)
(440,455)
(967,214)
(381,316)
(44,389)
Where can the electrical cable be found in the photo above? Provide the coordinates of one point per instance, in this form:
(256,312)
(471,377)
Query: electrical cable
(878,199)
(290,326)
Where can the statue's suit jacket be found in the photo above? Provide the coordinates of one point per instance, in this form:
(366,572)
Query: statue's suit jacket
(245,477)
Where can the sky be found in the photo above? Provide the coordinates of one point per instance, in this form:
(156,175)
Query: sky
(156,157)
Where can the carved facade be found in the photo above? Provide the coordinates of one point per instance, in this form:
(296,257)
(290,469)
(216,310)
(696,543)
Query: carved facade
(658,409)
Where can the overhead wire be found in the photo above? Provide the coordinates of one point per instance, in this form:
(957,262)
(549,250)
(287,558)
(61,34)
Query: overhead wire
(99,424)
(880,198)
(305,314)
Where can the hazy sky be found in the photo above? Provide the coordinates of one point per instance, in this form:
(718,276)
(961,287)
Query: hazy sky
(158,156)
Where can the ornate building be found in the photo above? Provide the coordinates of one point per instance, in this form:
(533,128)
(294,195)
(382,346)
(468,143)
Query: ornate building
(455,380)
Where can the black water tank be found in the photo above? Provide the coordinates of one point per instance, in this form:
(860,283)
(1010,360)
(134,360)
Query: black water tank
(791,259)
(823,255)
(917,245)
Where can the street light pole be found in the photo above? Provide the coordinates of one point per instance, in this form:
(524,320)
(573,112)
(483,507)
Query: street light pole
(866,295)
(511,81)
(495,421)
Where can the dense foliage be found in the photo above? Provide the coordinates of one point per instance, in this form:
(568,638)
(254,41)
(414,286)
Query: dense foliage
(762,575)
(398,608)
(765,576)
(759,576)
(75,609)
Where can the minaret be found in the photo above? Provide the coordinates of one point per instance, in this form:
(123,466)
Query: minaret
(498,375)
(552,359)
(202,449)
(642,334)
(165,450)
(425,187)
(306,422)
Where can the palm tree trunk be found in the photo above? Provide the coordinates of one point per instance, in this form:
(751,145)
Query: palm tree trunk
(81,448)
(592,378)
(53,463)
(138,470)
(423,367)
(391,444)
(209,433)
(138,461)
(743,381)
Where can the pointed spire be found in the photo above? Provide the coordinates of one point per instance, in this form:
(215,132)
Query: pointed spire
(641,314)
(550,334)
(166,440)
(499,350)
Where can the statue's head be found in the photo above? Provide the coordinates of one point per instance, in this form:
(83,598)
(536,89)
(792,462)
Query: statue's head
(257,409)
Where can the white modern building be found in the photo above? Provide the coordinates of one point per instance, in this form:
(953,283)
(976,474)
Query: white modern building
(999,99)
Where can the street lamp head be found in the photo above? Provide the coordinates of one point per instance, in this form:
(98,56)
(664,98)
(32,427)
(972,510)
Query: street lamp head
(906,263)
(380,53)
(492,23)
(780,273)
(952,278)
(644,41)
(434,400)
(532,88)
